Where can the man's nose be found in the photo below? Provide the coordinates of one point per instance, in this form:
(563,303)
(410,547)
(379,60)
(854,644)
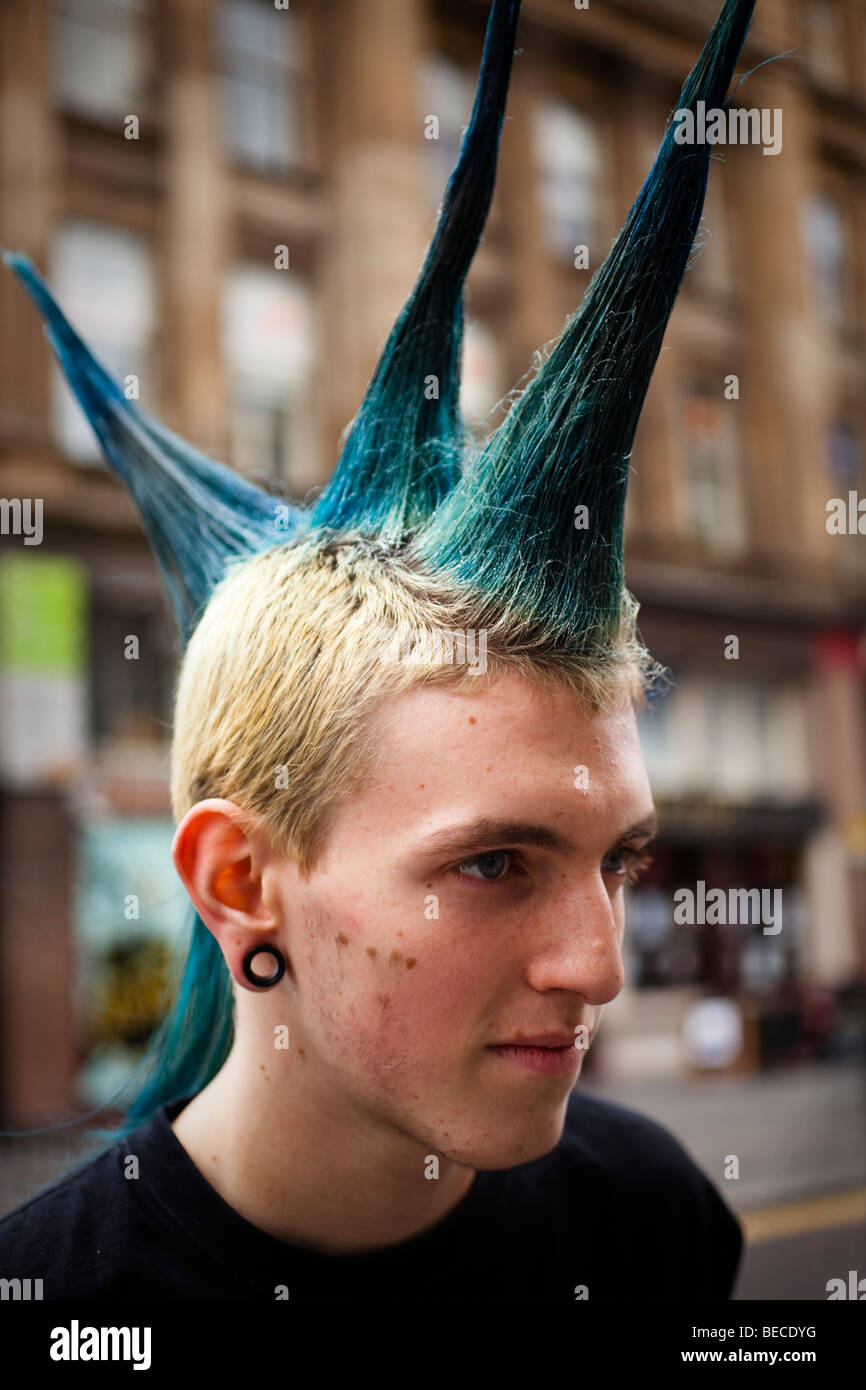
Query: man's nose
(580,949)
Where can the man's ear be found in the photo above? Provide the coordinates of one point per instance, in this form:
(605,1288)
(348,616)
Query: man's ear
(219,855)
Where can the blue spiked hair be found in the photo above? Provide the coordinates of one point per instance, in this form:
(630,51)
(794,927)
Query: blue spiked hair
(498,522)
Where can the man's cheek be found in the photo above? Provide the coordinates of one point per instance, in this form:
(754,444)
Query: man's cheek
(427,1015)
(406,1024)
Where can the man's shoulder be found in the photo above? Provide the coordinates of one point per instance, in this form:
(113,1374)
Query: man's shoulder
(69,1233)
(79,1193)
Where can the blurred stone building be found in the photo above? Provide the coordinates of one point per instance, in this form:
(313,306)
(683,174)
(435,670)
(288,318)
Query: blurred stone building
(155,155)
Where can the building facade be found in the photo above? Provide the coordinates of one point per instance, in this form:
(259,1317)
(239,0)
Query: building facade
(231,199)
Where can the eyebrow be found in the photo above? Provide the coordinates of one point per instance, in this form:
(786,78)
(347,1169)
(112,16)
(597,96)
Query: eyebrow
(486,831)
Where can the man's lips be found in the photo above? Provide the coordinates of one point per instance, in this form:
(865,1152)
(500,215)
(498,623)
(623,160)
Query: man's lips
(552,1040)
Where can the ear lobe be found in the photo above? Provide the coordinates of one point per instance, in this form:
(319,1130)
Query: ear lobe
(261,967)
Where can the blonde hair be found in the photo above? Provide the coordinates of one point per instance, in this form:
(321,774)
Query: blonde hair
(276,694)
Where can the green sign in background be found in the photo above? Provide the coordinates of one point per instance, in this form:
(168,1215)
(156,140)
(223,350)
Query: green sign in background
(43,614)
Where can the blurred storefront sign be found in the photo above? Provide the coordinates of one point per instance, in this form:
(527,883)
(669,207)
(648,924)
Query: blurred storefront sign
(43,669)
(730,826)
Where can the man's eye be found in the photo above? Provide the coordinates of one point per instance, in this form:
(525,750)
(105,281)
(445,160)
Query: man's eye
(627,863)
(615,862)
(491,865)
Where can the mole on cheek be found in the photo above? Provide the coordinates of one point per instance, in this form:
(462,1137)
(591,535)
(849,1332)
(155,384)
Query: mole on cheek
(410,961)
(341,939)
(472,719)
(396,955)
(371,952)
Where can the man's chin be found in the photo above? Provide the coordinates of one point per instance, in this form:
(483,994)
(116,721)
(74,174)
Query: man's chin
(511,1140)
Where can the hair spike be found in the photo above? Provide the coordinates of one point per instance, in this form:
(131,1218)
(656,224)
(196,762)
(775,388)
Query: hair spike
(404,450)
(197,513)
(509,528)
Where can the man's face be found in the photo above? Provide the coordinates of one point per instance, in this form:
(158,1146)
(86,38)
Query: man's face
(419,942)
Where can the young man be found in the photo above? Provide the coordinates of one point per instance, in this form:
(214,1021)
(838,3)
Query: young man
(408,874)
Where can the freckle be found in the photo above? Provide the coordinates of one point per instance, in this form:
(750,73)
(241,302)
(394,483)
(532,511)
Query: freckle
(342,939)
(371,952)
(399,933)
(410,961)
(300,1052)
(261,1066)
(421,786)
(396,955)
(488,768)
(384,999)
(472,719)
(213,1158)
(518,1034)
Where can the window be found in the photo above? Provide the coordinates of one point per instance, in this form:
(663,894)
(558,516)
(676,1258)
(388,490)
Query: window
(654,728)
(568,160)
(447,92)
(847,473)
(736,740)
(758,742)
(846,455)
(101,56)
(265,91)
(674,738)
(822,21)
(267,341)
(131,699)
(711,259)
(481,385)
(102,280)
(825,247)
(711,496)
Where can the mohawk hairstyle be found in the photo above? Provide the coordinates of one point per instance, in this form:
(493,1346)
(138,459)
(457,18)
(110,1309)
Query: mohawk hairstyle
(496,523)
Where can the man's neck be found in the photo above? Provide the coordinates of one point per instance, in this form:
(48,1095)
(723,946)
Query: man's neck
(300,1167)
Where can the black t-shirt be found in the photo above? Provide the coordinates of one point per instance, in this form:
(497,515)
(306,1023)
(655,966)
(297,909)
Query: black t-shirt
(618,1207)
